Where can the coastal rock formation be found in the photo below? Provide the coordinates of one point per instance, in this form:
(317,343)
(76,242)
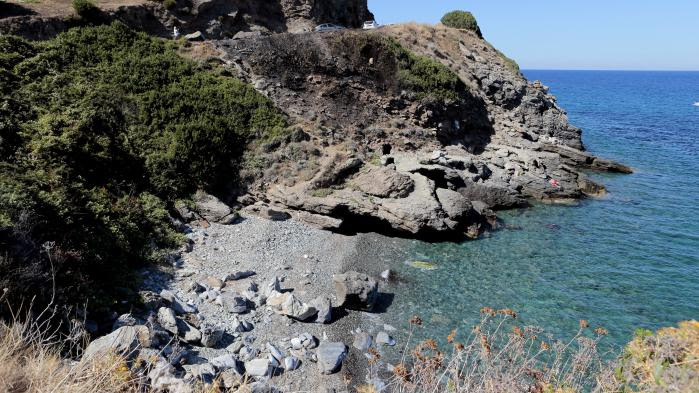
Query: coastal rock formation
(382,153)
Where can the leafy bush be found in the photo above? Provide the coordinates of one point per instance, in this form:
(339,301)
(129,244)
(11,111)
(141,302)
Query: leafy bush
(84,8)
(423,75)
(169,4)
(101,130)
(461,20)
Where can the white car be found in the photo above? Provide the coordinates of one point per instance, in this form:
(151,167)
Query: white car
(328,27)
(371,24)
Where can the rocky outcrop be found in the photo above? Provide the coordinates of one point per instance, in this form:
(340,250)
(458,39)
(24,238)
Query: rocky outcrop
(380,157)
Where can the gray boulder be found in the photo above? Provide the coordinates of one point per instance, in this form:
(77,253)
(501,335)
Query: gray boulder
(210,336)
(212,209)
(167,319)
(227,362)
(124,341)
(330,356)
(291,363)
(258,367)
(384,183)
(324,307)
(362,341)
(287,304)
(356,290)
(384,339)
(454,204)
(179,306)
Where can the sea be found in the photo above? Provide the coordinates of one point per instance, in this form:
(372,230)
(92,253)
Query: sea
(625,261)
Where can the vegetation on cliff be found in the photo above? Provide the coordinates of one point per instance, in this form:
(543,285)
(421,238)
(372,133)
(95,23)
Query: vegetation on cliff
(461,20)
(101,130)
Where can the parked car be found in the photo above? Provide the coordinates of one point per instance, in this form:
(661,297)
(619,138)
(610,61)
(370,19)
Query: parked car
(328,27)
(370,24)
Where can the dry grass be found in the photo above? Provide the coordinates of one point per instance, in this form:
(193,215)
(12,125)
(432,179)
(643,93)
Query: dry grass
(30,361)
(501,356)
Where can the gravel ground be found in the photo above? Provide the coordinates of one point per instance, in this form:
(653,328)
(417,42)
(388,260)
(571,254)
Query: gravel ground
(304,259)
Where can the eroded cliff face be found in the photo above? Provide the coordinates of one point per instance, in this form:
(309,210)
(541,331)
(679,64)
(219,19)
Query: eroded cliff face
(371,154)
(213,18)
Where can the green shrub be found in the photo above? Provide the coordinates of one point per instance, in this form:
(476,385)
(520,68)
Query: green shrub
(511,64)
(84,8)
(169,4)
(461,20)
(424,76)
(101,130)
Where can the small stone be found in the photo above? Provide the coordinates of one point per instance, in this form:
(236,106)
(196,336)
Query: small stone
(291,363)
(176,304)
(324,307)
(275,352)
(190,334)
(330,356)
(362,341)
(210,336)
(196,287)
(239,275)
(257,367)
(385,339)
(296,343)
(227,362)
(235,347)
(167,319)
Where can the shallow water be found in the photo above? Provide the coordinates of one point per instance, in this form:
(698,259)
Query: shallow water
(627,261)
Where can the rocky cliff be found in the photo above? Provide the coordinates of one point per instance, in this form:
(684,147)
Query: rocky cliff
(419,130)
(213,18)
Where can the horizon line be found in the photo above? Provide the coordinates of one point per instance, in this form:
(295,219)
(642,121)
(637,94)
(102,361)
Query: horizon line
(604,69)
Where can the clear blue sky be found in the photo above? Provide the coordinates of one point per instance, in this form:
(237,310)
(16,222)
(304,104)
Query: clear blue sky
(573,34)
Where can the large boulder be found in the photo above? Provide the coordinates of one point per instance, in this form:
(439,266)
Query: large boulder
(454,204)
(212,209)
(330,356)
(288,304)
(124,341)
(356,290)
(384,183)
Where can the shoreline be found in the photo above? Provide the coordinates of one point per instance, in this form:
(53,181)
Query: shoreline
(304,259)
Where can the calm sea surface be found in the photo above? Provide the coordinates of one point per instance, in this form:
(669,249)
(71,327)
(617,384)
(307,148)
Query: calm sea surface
(629,260)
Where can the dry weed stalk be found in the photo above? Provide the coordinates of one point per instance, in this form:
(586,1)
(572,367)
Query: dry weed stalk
(500,356)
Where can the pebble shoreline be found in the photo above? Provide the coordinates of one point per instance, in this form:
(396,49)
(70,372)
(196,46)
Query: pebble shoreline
(303,260)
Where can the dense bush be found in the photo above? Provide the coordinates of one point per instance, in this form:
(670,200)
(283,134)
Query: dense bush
(169,4)
(101,129)
(461,20)
(423,75)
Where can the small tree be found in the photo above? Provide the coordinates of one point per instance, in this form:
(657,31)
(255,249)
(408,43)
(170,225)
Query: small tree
(84,8)
(461,20)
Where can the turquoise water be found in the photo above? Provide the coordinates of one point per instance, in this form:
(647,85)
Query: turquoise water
(629,260)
